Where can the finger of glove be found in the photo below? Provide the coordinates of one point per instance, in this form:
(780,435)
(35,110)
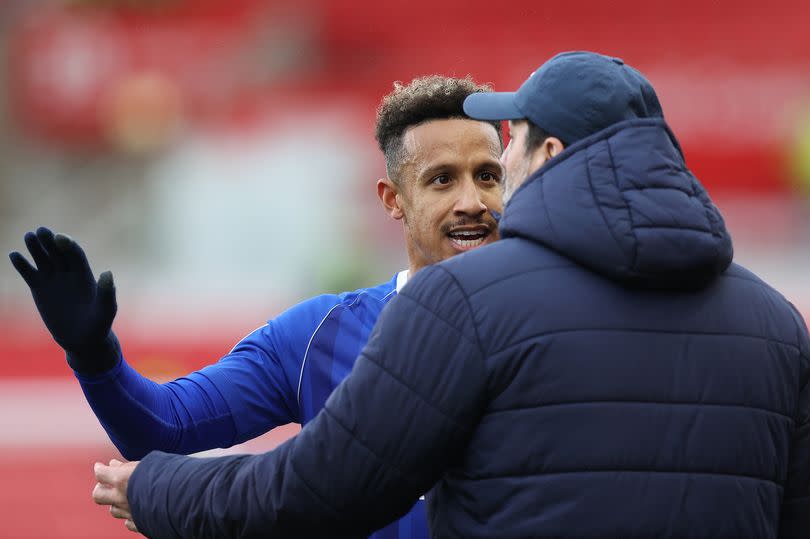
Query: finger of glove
(45,237)
(72,253)
(106,294)
(24,268)
(41,258)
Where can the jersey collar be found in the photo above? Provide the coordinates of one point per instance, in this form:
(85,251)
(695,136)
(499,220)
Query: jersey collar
(402,279)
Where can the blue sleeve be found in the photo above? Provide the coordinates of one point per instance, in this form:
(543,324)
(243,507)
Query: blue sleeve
(259,378)
(248,392)
(386,435)
(795,517)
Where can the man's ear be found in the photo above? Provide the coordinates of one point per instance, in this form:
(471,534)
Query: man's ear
(388,193)
(549,149)
(553,147)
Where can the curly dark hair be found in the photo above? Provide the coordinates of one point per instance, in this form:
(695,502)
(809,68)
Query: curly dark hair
(432,97)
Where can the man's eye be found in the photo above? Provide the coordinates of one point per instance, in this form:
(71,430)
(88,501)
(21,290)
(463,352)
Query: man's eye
(444,179)
(489,177)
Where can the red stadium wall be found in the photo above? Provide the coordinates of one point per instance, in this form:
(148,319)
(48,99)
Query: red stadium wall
(721,68)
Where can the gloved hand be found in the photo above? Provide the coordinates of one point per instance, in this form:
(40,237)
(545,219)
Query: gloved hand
(77,310)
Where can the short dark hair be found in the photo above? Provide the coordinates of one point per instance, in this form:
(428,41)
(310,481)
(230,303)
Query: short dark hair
(536,136)
(433,97)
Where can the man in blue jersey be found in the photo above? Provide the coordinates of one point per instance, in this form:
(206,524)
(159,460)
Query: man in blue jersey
(443,182)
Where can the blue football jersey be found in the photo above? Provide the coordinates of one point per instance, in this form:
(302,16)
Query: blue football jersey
(280,373)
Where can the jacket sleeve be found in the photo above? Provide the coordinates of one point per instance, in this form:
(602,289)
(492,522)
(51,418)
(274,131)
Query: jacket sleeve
(795,518)
(248,392)
(386,436)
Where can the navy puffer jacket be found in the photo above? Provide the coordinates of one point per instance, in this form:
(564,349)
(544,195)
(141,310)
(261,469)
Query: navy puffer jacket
(641,385)
(604,371)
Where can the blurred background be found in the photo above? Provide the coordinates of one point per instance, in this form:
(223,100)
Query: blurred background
(219,158)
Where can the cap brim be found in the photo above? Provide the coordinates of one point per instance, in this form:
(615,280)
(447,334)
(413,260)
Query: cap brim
(492,106)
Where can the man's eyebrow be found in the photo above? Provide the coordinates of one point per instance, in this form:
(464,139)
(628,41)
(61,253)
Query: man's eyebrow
(490,164)
(434,169)
(450,167)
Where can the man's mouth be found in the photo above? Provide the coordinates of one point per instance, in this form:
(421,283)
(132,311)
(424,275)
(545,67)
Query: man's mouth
(469,238)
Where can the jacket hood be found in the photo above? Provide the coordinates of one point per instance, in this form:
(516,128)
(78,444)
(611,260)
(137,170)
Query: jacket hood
(622,203)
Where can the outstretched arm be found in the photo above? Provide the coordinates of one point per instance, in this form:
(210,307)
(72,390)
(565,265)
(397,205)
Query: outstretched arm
(387,434)
(139,415)
(245,394)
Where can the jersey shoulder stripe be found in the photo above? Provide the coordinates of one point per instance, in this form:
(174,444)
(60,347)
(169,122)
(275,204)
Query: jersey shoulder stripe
(370,300)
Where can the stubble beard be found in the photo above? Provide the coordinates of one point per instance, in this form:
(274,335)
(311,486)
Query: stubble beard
(514,179)
(507,191)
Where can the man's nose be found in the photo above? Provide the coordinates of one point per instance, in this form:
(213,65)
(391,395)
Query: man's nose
(470,201)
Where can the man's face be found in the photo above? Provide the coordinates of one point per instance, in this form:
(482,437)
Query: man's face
(449,182)
(519,162)
(515,159)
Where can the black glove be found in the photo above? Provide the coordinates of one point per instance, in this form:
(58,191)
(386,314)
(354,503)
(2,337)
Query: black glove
(77,310)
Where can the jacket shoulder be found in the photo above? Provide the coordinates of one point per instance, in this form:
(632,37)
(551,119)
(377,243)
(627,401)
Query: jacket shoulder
(501,260)
(770,300)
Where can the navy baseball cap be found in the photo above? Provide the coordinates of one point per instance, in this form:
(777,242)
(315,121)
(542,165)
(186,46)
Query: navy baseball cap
(571,96)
